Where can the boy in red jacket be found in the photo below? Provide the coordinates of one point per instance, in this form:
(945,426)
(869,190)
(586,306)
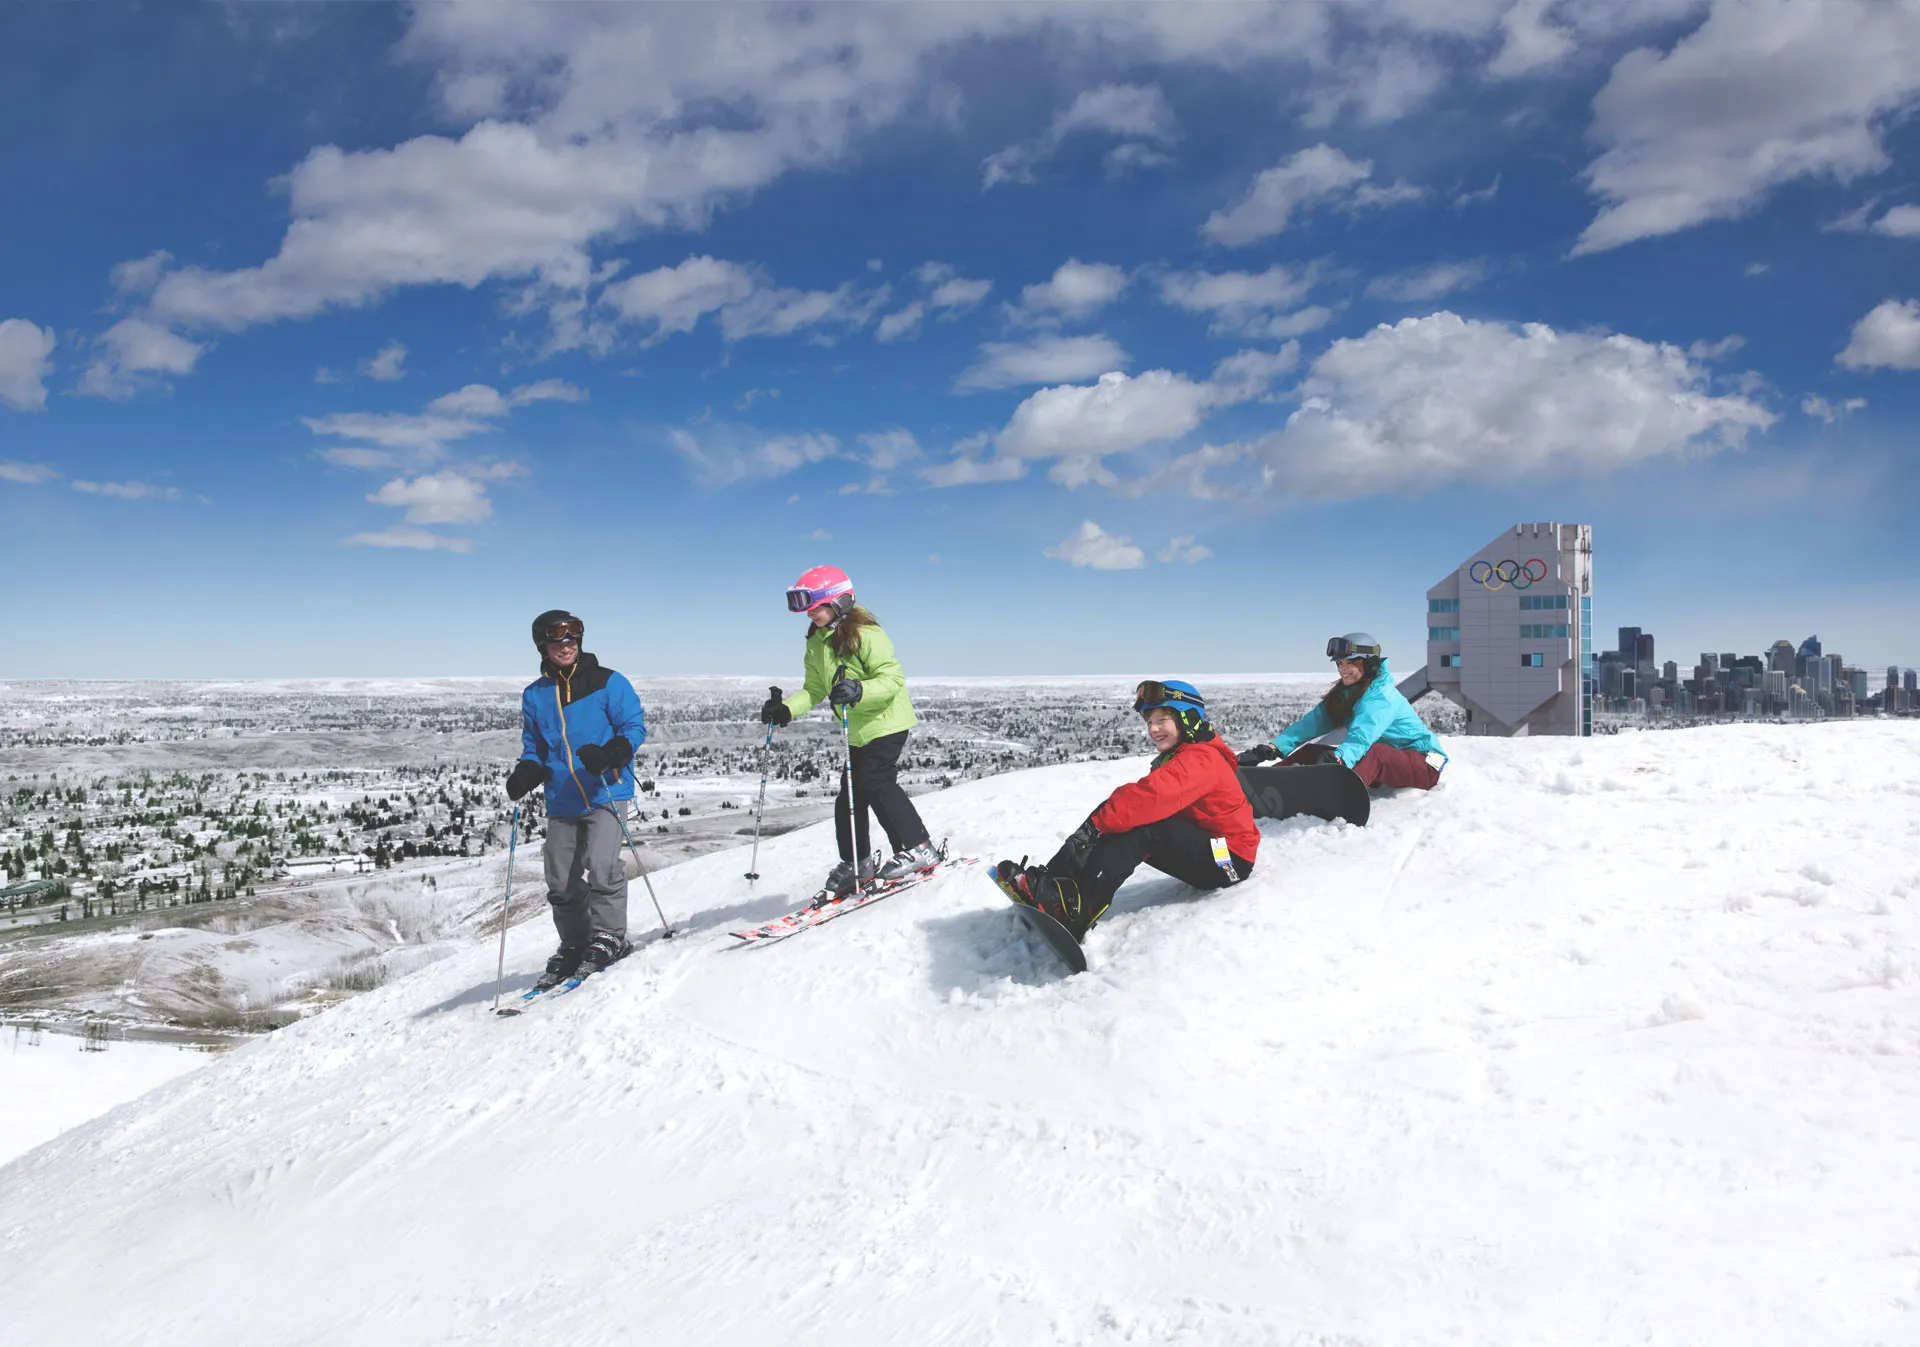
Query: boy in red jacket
(1187,817)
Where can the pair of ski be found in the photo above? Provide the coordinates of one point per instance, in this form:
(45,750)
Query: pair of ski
(826,906)
(559,989)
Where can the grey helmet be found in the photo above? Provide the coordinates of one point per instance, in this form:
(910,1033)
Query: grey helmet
(1354,645)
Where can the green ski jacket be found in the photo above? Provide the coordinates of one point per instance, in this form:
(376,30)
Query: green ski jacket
(883,708)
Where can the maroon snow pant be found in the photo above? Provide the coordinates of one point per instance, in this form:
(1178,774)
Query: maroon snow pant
(1383,765)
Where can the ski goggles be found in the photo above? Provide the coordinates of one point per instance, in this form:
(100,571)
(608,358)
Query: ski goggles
(563,633)
(1339,647)
(1153,693)
(804,600)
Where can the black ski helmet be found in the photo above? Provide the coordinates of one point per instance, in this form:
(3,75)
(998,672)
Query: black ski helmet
(554,623)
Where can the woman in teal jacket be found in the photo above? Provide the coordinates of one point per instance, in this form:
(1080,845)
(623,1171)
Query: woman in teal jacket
(850,664)
(1386,744)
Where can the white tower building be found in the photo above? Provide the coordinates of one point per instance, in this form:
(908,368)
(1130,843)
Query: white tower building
(1509,634)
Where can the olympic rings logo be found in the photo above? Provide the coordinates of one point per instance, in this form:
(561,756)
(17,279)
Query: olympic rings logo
(1500,574)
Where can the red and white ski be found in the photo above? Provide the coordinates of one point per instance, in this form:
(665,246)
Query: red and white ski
(815,914)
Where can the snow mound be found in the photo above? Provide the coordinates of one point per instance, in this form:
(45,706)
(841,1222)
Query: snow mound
(1557,1053)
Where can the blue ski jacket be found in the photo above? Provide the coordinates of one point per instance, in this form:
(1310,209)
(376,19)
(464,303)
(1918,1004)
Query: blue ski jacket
(565,710)
(1381,715)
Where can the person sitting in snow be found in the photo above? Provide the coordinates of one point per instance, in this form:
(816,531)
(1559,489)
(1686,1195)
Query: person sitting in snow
(1187,817)
(1386,744)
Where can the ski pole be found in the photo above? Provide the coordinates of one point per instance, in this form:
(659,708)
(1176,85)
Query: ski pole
(513,840)
(759,810)
(853,818)
(620,817)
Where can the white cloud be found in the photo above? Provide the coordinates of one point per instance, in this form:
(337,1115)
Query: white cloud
(1184,551)
(1314,176)
(1075,290)
(780,313)
(419,539)
(820,536)
(1717,350)
(1473,198)
(27,474)
(1530,43)
(127,490)
(1887,338)
(1091,545)
(1138,112)
(448,497)
(133,351)
(1428,283)
(902,324)
(958,294)
(465,412)
(1902,222)
(1081,424)
(323,375)
(25,349)
(1764,93)
(723,455)
(1430,401)
(1048,358)
(1820,409)
(139,276)
(675,298)
(386,365)
(968,468)
(1757,269)
(1248,304)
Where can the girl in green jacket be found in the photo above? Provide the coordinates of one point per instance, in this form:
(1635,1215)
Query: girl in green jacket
(851,665)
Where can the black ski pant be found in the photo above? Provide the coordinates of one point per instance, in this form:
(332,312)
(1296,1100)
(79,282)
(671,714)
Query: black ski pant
(1174,846)
(876,786)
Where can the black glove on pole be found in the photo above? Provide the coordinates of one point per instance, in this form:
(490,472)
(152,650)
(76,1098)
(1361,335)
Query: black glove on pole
(775,711)
(846,691)
(608,757)
(526,774)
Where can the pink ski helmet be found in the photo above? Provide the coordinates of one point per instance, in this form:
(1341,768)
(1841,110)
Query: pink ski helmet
(821,585)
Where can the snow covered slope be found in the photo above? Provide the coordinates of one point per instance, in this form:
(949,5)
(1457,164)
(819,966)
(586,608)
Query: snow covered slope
(1602,1042)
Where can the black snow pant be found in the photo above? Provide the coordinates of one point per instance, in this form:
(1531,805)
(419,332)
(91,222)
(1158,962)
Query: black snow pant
(1173,846)
(876,786)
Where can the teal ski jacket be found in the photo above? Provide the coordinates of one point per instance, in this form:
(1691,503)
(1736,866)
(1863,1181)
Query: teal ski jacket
(1381,716)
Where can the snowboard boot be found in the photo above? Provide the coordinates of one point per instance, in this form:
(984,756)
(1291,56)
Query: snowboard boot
(559,968)
(1059,897)
(915,860)
(606,949)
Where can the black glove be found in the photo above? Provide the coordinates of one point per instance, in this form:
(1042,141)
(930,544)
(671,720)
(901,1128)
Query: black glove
(526,774)
(1258,754)
(610,756)
(846,691)
(1071,859)
(775,711)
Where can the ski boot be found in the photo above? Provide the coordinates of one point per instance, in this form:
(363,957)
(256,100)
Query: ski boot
(559,968)
(606,949)
(1058,896)
(841,880)
(913,860)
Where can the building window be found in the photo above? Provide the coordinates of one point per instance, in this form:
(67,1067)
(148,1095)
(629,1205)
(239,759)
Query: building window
(1443,633)
(1443,605)
(1450,661)
(1543,631)
(1534,661)
(1540,602)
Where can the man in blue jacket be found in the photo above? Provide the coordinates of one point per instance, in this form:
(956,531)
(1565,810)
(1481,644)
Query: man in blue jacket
(579,725)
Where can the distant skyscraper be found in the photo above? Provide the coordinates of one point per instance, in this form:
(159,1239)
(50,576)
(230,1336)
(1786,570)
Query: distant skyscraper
(1509,633)
(1810,648)
(1781,657)
(1629,646)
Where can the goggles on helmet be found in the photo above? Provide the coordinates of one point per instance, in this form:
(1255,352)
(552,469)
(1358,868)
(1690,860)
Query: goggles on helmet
(803,600)
(1154,693)
(1339,647)
(562,633)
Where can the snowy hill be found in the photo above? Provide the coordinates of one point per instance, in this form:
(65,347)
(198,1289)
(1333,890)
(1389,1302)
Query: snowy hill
(1603,1041)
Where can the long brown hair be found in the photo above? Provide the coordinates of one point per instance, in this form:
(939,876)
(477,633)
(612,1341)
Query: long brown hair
(845,636)
(1341,698)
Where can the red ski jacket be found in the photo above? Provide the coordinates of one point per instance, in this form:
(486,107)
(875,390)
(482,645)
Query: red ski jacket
(1199,782)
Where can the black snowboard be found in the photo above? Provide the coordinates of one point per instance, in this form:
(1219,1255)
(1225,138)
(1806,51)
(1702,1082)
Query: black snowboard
(1058,937)
(1327,790)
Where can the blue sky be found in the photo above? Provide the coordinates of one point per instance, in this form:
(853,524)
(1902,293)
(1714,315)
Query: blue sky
(342,339)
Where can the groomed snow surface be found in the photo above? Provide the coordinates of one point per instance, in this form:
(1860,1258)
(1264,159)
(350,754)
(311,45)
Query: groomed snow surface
(1614,1041)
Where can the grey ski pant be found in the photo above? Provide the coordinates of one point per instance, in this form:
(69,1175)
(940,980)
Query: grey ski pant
(586,881)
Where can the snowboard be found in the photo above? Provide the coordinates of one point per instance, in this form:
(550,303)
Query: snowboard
(1059,939)
(1327,790)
